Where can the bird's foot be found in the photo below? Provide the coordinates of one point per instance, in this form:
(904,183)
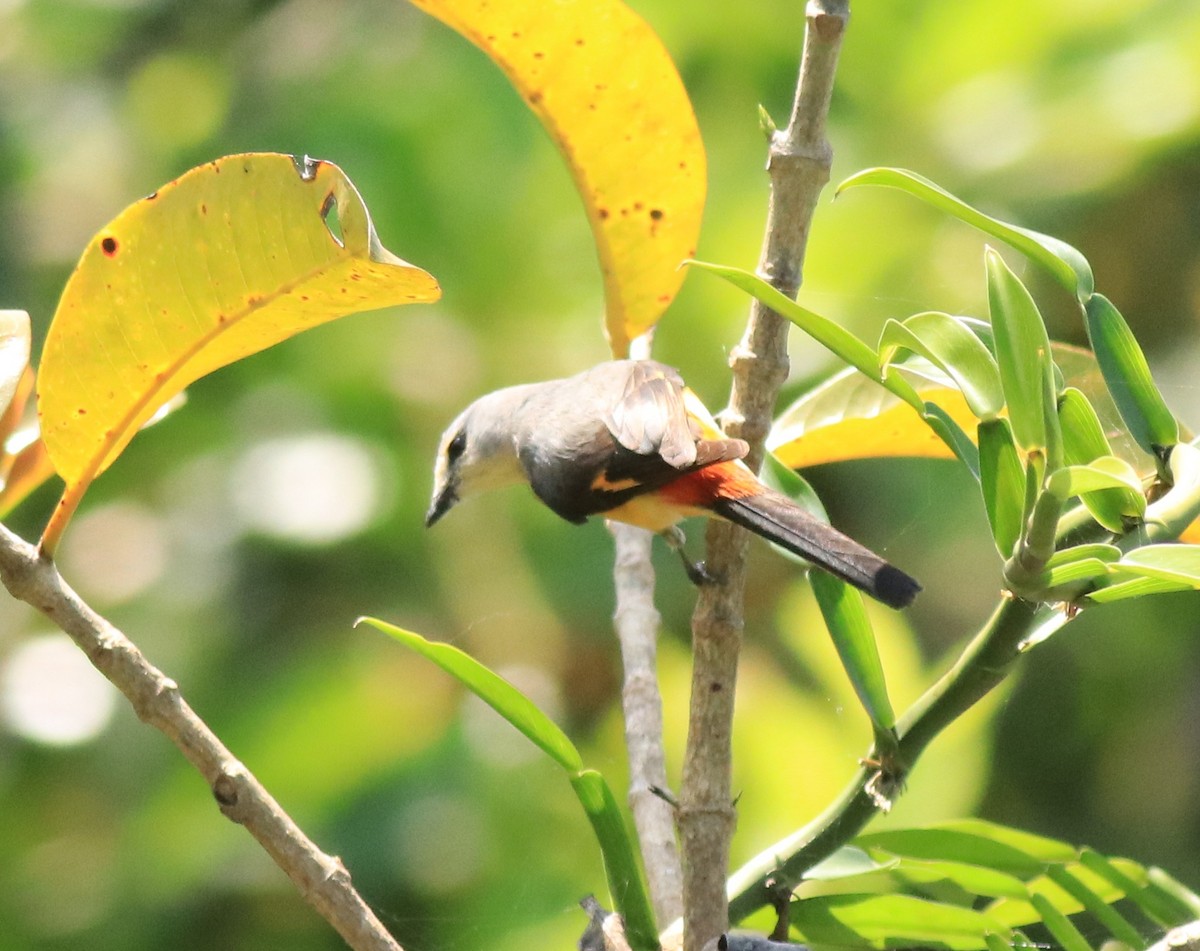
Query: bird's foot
(697,573)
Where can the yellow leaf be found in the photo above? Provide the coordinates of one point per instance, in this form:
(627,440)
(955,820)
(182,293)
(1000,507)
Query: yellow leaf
(231,258)
(851,417)
(606,90)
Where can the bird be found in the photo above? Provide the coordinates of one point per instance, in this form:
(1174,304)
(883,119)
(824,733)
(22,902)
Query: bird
(627,440)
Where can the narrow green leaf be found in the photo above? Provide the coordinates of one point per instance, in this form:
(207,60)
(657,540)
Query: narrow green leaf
(846,617)
(1069,267)
(1074,572)
(996,943)
(847,862)
(1059,925)
(890,921)
(1024,358)
(788,481)
(1095,904)
(950,345)
(1138,588)
(953,436)
(1002,481)
(1083,442)
(1183,895)
(625,881)
(1097,551)
(1167,562)
(493,690)
(946,843)
(1152,902)
(1038,847)
(976,880)
(1127,374)
(839,341)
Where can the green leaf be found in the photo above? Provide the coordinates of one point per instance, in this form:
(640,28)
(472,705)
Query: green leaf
(890,921)
(1024,357)
(846,617)
(1138,588)
(953,436)
(621,867)
(1127,374)
(493,690)
(1084,442)
(1069,267)
(951,346)
(946,843)
(1107,472)
(1184,896)
(620,861)
(1164,909)
(1167,562)
(1095,905)
(847,862)
(1039,847)
(1065,933)
(1002,481)
(839,341)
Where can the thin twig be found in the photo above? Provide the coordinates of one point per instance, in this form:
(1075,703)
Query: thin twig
(798,163)
(321,879)
(637,624)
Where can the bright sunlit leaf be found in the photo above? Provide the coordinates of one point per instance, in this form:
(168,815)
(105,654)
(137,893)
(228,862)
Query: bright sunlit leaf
(229,259)
(14,354)
(1069,267)
(606,90)
(890,921)
(1178,563)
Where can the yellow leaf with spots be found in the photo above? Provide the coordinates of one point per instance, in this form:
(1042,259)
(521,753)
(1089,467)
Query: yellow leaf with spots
(606,90)
(227,260)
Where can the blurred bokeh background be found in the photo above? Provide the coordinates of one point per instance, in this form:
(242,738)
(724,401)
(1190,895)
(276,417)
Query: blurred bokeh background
(237,542)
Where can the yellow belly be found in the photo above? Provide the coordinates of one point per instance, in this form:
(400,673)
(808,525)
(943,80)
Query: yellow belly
(652,512)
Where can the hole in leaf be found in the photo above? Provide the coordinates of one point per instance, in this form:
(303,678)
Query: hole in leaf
(329,214)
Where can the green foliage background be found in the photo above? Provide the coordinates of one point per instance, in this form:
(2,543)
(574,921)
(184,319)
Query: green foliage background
(1080,119)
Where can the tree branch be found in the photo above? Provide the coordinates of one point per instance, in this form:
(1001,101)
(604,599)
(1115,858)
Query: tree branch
(798,163)
(637,622)
(321,879)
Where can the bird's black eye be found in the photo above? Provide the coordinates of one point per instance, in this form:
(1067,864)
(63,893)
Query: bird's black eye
(456,446)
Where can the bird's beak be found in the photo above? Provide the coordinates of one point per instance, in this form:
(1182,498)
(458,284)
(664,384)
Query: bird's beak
(443,502)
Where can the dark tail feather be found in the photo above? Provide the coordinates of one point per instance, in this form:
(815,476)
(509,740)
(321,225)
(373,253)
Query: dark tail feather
(778,519)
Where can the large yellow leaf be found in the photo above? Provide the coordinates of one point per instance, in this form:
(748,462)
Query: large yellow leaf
(227,260)
(607,92)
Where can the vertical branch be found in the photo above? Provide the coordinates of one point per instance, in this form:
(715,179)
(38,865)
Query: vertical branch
(637,623)
(798,163)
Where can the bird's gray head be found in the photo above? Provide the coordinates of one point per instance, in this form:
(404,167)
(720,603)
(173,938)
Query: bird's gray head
(478,451)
